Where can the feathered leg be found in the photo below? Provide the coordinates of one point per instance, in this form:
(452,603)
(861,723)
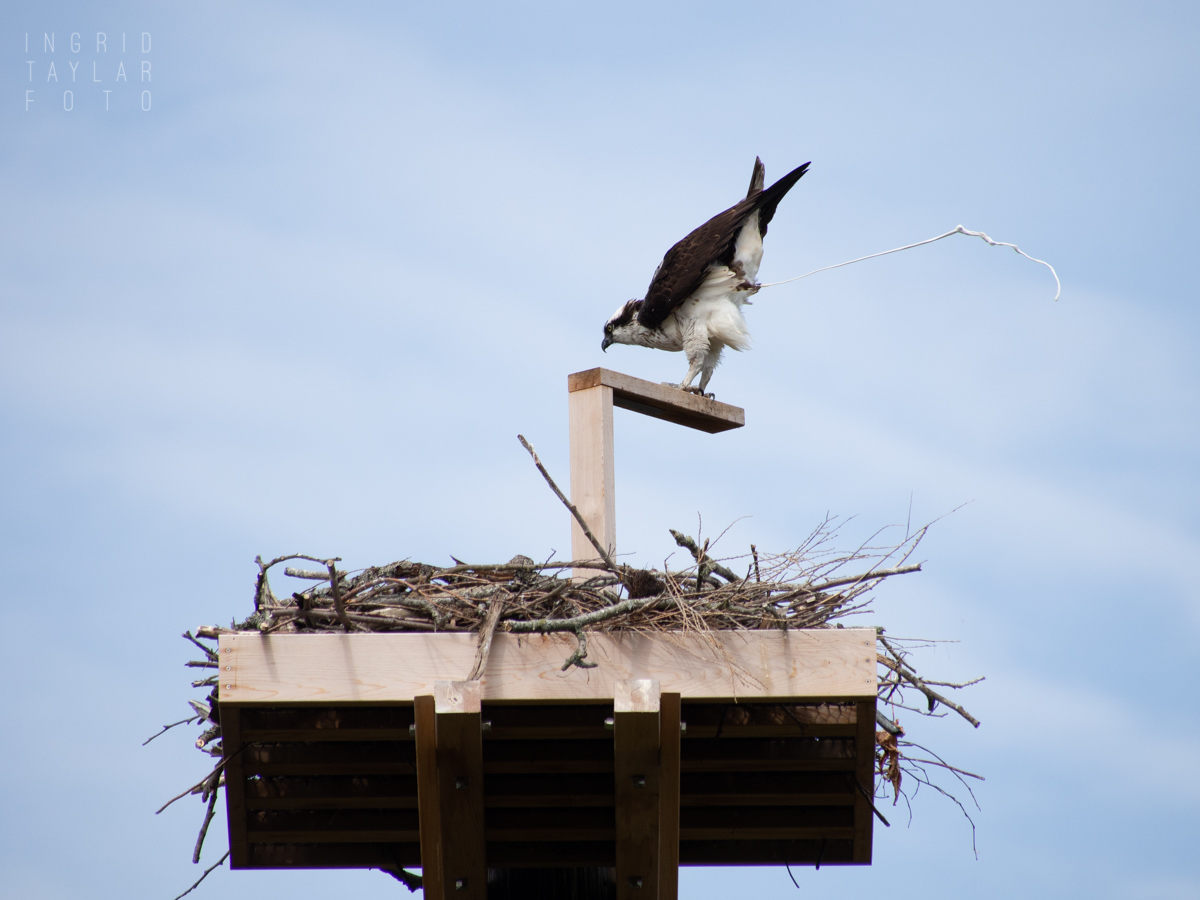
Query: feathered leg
(703,354)
(695,363)
(696,348)
(709,364)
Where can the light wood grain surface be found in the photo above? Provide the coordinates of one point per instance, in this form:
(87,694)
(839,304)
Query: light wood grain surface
(662,401)
(824,664)
(593,472)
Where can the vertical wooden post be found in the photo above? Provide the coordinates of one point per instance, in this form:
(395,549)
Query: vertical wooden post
(235,786)
(428,805)
(460,789)
(593,477)
(668,797)
(864,773)
(638,782)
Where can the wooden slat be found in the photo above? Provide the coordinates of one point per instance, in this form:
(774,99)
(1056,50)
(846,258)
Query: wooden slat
(864,820)
(334,856)
(331,803)
(821,784)
(769,765)
(766,834)
(637,777)
(285,735)
(460,789)
(669,740)
(781,750)
(323,719)
(389,668)
(593,476)
(235,786)
(766,852)
(427,797)
(764,800)
(773,732)
(765,818)
(660,401)
(723,716)
(349,767)
(336,836)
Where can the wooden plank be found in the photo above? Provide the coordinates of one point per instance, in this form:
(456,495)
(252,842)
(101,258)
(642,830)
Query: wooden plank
(796,764)
(691,800)
(337,836)
(660,400)
(817,784)
(287,735)
(593,473)
(864,818)
(833,663)
(334,856)
(771,732)
(637,777)
(767,834)
(332,803)
(460,789)
(669,740)
(766,852)
(235,786)
(425,713)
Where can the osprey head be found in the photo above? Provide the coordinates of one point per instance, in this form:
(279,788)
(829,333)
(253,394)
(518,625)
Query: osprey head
(623,327)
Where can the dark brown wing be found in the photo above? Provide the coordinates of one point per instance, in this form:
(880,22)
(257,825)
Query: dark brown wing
(684,267)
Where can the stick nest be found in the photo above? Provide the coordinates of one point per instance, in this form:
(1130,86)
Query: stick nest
(812,586)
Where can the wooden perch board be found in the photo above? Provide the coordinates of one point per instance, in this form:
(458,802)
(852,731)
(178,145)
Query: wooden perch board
(825,663)
(661,401)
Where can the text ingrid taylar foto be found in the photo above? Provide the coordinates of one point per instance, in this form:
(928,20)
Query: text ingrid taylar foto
(102,81)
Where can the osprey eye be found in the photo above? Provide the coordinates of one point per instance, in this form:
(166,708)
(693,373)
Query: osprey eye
(608,329)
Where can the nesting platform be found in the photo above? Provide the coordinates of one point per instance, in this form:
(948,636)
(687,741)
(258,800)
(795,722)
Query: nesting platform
(737,748)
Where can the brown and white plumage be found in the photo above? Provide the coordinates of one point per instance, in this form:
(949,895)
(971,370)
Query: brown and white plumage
(695,298)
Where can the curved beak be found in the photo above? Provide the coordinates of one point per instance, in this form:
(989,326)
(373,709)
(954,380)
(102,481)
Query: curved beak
(604,344)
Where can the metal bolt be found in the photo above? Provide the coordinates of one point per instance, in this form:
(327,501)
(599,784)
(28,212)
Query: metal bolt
(460,884)
(412,730)
(683,727)
(461,782)
(487,725)
(229,687)
(229,668)
(610,724)
(635,881)
(639,781)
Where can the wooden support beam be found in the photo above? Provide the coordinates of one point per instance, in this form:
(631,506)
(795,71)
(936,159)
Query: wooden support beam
(460,789)
(637,779)
(750,666)
(865,774)
(662,401)
(235,786)
(668,797)
(428,804)
(593,473)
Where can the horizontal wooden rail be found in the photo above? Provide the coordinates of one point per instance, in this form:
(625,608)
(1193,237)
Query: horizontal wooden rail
(746,666)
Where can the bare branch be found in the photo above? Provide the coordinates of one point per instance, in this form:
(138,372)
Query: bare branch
(205,875)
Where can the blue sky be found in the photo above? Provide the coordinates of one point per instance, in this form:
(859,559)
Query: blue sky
(309,298)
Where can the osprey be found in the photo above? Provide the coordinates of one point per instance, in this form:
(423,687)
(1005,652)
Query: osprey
(694,302)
